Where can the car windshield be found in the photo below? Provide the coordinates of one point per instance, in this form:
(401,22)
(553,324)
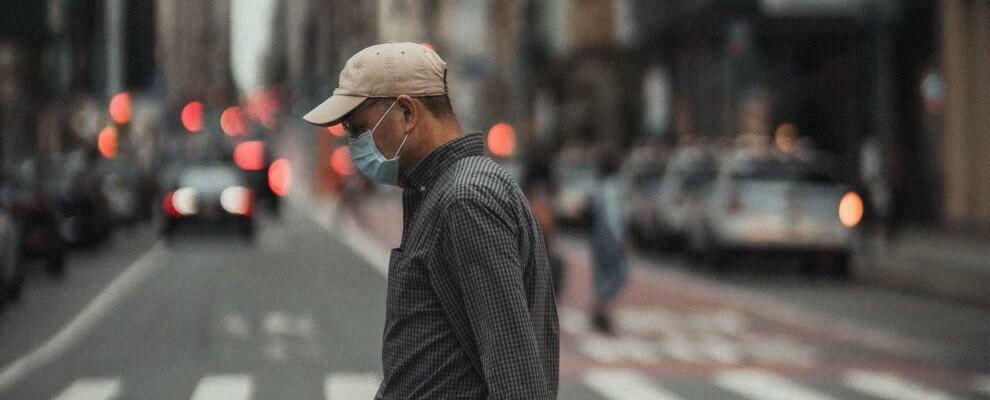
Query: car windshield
(209,177)
(778,170)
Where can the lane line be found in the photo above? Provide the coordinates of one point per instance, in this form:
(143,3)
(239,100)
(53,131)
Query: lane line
(224,387)
(350,386)
(759,385)
(625,385)
(92,389)
(360,242)
(889,386)
(86,320)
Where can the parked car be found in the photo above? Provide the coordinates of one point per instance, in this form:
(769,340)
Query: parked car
(214,194)
(121,184)
(74,183)
(768,204)
(11,269)
(642,174)
(37,217)
(678,200)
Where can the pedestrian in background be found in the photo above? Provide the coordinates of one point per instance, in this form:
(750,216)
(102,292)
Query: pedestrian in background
(470,310)
(539,186)
(607,242)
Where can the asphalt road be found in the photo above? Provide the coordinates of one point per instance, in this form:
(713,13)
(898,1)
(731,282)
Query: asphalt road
(298,314)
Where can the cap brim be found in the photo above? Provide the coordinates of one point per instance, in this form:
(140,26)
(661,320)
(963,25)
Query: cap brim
(331,111)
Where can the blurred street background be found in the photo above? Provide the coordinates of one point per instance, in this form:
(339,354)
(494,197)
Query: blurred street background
(805,192)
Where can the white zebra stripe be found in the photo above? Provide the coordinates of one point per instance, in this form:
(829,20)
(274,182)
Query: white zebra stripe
(224,387)
(91,389)
(625,385)
(761,385)
(888,386)
(351,386)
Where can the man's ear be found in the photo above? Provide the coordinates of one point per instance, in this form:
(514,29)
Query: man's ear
(409,110)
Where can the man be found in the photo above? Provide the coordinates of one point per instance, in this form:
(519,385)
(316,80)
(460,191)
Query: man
(470,307)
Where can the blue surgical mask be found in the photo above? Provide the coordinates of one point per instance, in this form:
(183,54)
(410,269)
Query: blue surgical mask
(370,161)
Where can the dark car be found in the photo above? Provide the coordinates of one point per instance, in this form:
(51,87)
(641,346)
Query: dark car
(36,215)
(255,157)
(11,268)
(214,194)
(75,184)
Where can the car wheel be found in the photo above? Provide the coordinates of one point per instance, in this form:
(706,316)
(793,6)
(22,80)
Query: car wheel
(55,265)
(247,232)
(840,268)
(11,276)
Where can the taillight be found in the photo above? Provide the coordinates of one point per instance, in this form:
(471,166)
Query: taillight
(169,206)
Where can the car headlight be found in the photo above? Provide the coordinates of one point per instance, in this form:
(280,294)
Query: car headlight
(851,209)
(236,200)
(184,201)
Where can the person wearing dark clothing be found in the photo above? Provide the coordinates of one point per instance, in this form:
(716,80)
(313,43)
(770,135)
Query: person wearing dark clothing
(607,243)
(470,306)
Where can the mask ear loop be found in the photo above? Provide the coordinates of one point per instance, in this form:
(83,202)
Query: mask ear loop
(400,147)
(383,116)
(380,122)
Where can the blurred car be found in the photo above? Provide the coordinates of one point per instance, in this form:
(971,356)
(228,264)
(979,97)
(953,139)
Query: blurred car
(36,216)
(677,200)
(11,270)
(576,176)
(83,211)
(122,185)
(774,205)
(255,155)
(642,174)
(215,194)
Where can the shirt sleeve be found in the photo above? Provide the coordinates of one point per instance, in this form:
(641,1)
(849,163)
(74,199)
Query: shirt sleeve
(481,247)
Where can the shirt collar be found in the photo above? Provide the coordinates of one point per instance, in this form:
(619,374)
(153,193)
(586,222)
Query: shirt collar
(430,168)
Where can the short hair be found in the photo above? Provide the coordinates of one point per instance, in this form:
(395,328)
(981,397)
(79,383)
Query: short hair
(438,105)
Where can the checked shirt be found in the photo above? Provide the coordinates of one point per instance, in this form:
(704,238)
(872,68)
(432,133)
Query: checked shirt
(470,306)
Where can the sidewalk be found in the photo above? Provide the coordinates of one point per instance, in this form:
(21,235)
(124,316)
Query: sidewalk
(955,265)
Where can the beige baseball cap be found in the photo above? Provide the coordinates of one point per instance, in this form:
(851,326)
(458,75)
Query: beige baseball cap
(383,70)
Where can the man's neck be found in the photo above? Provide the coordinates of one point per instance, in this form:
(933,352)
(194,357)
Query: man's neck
(432,137)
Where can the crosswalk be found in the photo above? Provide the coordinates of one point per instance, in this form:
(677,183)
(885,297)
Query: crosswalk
(605,383)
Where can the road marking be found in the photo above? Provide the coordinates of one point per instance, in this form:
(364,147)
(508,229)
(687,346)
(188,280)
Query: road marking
(351,386)
(224,387)
(91,389)
(888,386)
(982,384)
(86,320)
(765,386)
(625,385)
(769,307)
(342,228)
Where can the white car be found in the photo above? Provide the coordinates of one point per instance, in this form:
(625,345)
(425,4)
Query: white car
(771,204)
(678,201)
(642,174)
